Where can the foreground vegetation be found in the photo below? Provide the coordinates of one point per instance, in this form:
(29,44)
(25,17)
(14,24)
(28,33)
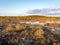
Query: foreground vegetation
(12,32)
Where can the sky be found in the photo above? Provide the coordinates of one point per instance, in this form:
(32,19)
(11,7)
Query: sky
(20,7)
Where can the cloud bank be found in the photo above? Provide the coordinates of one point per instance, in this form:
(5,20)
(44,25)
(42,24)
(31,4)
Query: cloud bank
(46,11)
(43,12)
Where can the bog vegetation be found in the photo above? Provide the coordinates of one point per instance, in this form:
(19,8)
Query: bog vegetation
(12,32)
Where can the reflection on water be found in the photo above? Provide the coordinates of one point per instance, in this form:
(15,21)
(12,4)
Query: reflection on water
(57,30)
